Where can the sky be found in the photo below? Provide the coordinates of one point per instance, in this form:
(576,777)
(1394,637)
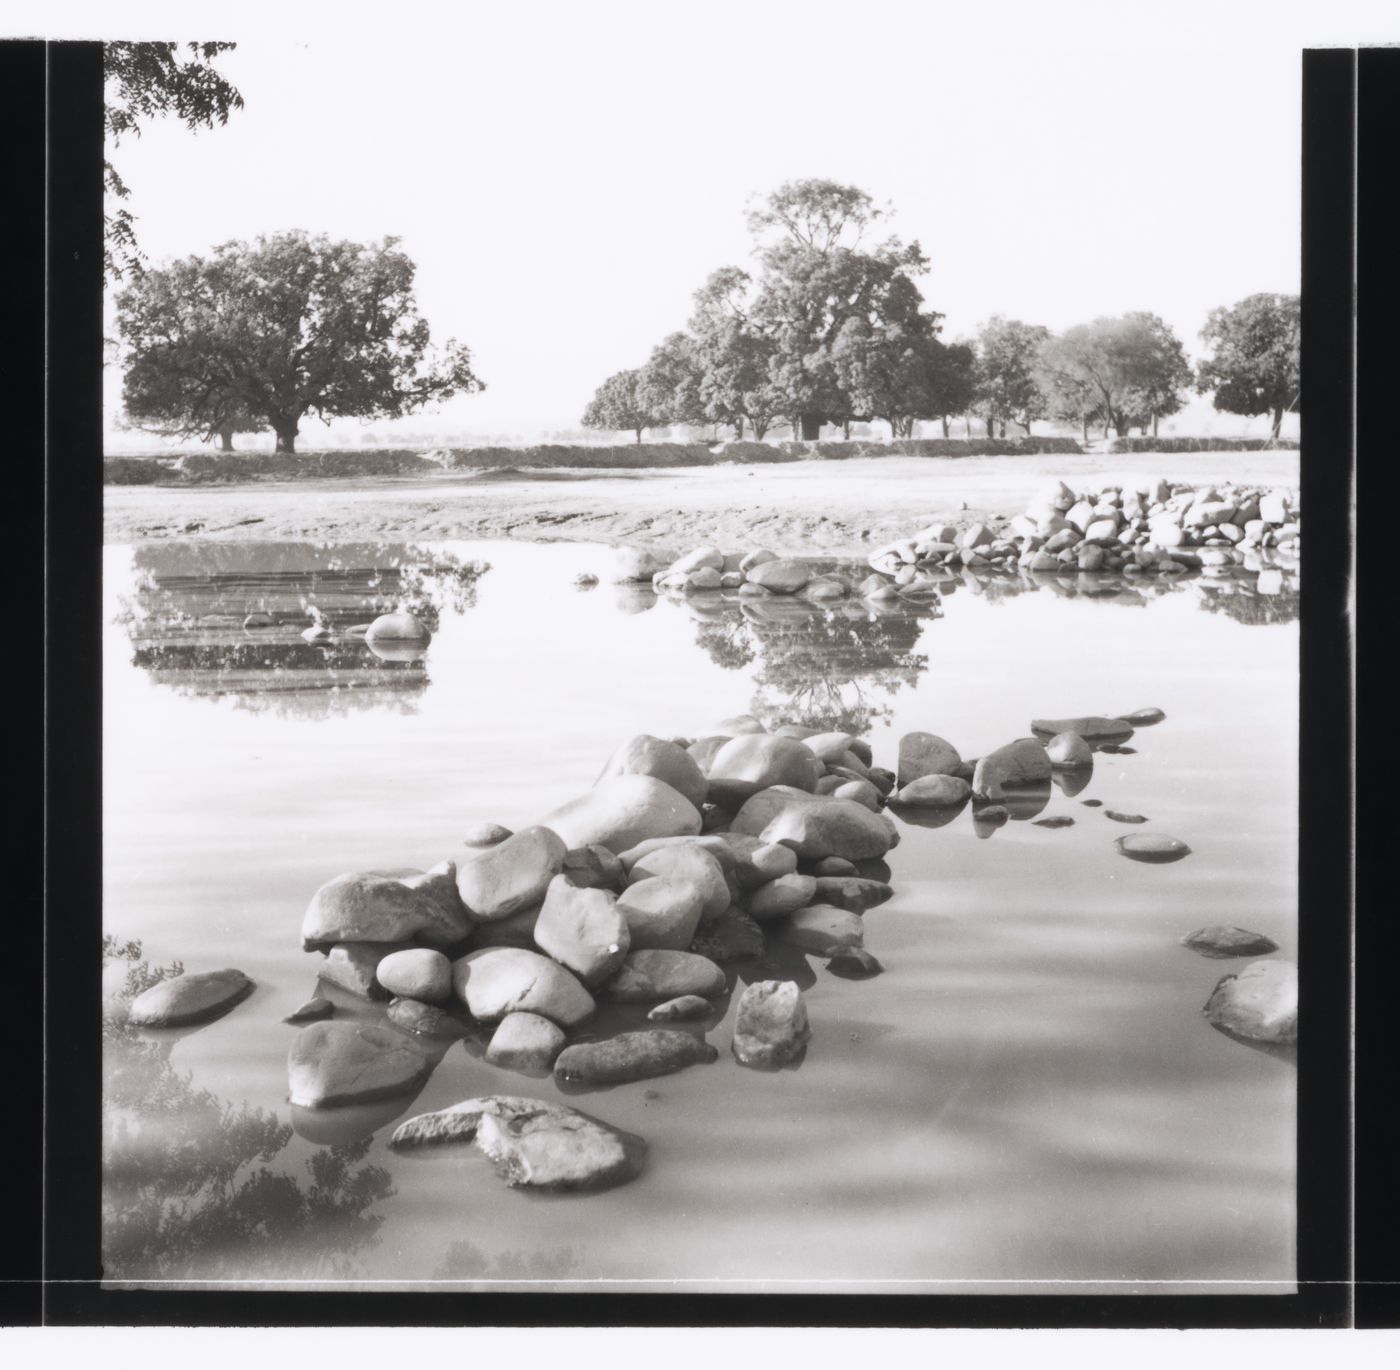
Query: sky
(566,175)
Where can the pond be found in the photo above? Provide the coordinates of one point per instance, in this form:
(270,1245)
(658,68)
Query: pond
(1028,1099)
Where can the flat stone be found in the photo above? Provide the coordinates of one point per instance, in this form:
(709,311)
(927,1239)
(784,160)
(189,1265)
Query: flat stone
(512,875)
(922,754)
(1059,820)
(503,980)
(525,1041)
(1119,817)
(654,974)
(349,1062)
(1069,751)
(196,997)
(425,1020)
(770,1025)
(1156,847)
(752,762)
(682,1009)
(632,1056)
(354,966)
(828,746)
(1260,1003)
(781,896)
(851,892)
(933,791)
(733,936)
(853,963)
(1143,718)
(662,911)
(623,810)
(417,973)
(485,835)
(1092,728)
(1023,762)
(662,760)
(782,576)
(1226,941)
(532,1143)
(366,907)
(833,865)
(814,826)
(820,927)
(582,928)
(311,1011)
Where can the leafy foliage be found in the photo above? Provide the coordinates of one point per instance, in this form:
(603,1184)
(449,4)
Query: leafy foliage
(1008,385)
(1253,366)
(620,406)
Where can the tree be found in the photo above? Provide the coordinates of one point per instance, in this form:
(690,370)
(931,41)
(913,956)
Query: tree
(1008,385)
(668,386)
(285,326)
(950,385)
(1253,368)
(618,406)
(888,370)
(734,355)
(144,81)
(1070,395)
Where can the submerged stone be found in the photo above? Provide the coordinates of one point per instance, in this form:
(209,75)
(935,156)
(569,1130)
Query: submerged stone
(632,1056)
(1260,1003)
(425,1020)
(821,927)
(198,997)
(851,892)
(853,963)
(1156,847)
(681,1009)
(342,1062)
(1091,727)
(1226,941)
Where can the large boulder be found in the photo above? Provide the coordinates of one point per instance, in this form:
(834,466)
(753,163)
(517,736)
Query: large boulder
(525,1041)
(814,826)
(531,1142)
(594,867)
(417,973)
(346,1062)
(639,564)
(702,558)
(354,966)
(632,1056)
(367,907)
(1069,751)
(623,810)
(651,975)
(583,929)
(512,875)
(933,791)
(695,862)
(196,997)
(922,754)
(757,862)
(781,896)
(782,577)
(1023,762)
(852,892)
(501,980)
(647,755)
(1260,1003)
(1092,728)
(770,1025)
(662,911)
(750,763)
(821,929)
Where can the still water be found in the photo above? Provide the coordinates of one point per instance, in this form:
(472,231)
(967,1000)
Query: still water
(1027,1100)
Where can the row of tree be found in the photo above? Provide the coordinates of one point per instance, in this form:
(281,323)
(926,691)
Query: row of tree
(833,332)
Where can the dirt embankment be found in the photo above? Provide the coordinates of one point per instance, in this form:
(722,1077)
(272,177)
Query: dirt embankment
(838,507)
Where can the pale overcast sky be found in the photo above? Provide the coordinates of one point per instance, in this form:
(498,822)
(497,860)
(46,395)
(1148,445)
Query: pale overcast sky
(566,174)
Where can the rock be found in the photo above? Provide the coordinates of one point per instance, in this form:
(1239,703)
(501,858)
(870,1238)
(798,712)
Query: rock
(632,1056)
(1090,558)
(651,974)
(828,747)
(196,997)
(922,754)
(518,930)
(991,815)
(662,911)
(781,896)
(852,892)
(639,564)
(853,963)
(594,868)
(398,627)
(770,1025)
(512,875)
(783,576)
(317,632)
(1225,941)
(682,1009)
(311,1011)
(485,835)
(582,928)
(1023,762)
(373,908)
(1056,821)
(665,761)
(1273,508)
(692,864)
(933,791)
(814,826)
(623,810)
(833,865)
(705,750)
(525,1041)
(820,927)
(1260,1003)
(739,725)
(355,966)
(1092,803)
(584,580)
(747,764)
(1119,817)
(258,621)
(1152,847)
(860,792)
(348,1062)
(417,973)
(1143,718)
(757,557)
(1069,751)
(702,558)
(425,1020)
(733,936)
(532,1143)
(1091,728)
(501,980)
(883,780)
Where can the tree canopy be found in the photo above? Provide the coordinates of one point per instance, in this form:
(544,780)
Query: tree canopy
(618,406)
(145,81)
(1253,366)
(281,327)
(1007,385)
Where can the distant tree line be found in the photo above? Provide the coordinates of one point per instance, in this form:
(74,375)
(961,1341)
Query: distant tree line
(831,331)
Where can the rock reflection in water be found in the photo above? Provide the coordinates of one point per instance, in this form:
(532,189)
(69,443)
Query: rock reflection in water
(188,1192)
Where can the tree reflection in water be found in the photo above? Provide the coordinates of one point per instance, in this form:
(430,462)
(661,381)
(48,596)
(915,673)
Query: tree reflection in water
(464,1261)
(186,620)
(188,1193)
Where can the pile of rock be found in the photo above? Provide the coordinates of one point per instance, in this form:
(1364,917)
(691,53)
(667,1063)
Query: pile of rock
(760,574)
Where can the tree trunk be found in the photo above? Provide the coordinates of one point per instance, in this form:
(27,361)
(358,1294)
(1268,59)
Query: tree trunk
(226,440)
(760,429)
(945,424)
(810,427)
(991,426)
(1003,428)
(738,430)
(638,432)
(286,437)
(1086,428)
(1277,423)
(846,429)
(1154,425)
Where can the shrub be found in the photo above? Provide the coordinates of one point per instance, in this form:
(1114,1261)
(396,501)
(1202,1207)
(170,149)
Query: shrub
(134,471)
(1122,445)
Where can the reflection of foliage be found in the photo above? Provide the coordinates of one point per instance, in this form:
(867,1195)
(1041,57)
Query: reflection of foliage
(187,1191)
(463,1261)
(1248,606)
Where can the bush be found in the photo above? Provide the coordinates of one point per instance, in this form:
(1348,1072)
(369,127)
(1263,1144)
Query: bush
(1122,445)
(134,471)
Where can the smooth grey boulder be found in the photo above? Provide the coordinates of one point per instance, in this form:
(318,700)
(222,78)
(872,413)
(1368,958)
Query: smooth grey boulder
(1143,718)
(348,1062)
(860,792)
(662,911)
(1153,847)
(623,810)
(512,875)
(828,747)
(679,1010)
(1069,751)
(851,892)
(922,754)
(503,980)
(754,761)
(652,974)
(485,835)
(583,929)
(705,749)
(399,626)
(662,760)
(517,930)
(833,865)
(525,1041)
(532,1143)
(702,558)
(770,1025)
(632,1056)
(733,936)
(853,963)
(1091,727)
(439,883)
(1118,816)
(757,862)
(1023,762)
(815,826)
(783,576)
(594,867)
(355,966)
(1226,941)
(821,927)
(367,907)
(933,791)
(633,564)
(425,1020)
(196,997)
(692,863)
(417,973)
(311,1011)
(781,896)
(1260,1003)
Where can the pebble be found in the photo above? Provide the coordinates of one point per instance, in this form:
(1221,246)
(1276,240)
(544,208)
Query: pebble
(1226,941)
(311,1011)
(681,1009)
(1260,1003)
(1118,817)
(525,1041)
(485,835)
(1056,821)
(770,1025)
(417,973)
(853,963)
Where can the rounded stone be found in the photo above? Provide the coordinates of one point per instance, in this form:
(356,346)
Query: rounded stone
(367,907)
(663,760)
(770,1025)
(815,826)
(1091,727)
(653,974)
(1118,817)
(682,1009)
(1069,751)
(821,927)
(417,973)
(623,810)
(852,892)
(196,997)
(525,1041)
(632,1056)
(583,929)
(399,626)
(501,980)
(783,576)
(662,911)
(345,1062)
(691,863)
(781,896)
(753,762)
(1260,1003)
(933,791)
(853,963)
(1225,941)
(1153,847)
(512,875)
(594,867)
(485,835)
